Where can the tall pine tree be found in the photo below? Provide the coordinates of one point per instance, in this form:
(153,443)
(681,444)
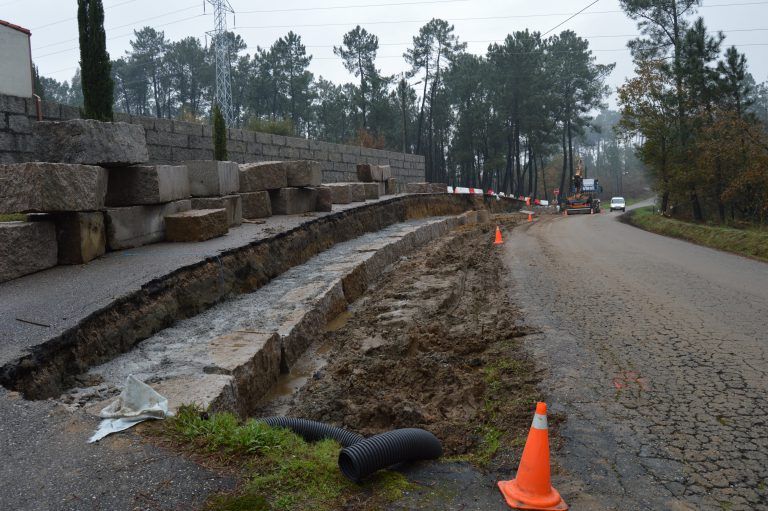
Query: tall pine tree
(95,66)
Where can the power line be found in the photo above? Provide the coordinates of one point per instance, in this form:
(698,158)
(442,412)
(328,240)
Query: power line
(569,19)
(125,25)
(75,17)
(336,7)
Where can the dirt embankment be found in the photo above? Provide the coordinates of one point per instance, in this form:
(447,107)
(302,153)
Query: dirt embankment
(435,344)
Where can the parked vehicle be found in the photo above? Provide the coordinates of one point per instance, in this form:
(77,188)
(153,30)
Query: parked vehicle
(618,203)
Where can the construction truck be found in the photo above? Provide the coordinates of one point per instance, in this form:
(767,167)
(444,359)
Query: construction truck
(583,196)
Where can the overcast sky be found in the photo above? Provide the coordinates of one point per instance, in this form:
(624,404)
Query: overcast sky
(322,24)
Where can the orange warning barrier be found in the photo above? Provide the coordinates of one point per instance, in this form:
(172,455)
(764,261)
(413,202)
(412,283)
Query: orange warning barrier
(532,487)
(498,241)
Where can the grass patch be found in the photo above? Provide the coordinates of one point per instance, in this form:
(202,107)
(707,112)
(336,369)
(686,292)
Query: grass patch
(751,242)
(281,470)
(13,217)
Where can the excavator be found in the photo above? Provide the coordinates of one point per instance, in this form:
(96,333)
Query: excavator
(583,197)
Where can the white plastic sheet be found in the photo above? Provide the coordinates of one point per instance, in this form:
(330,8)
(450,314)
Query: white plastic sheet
(137,402)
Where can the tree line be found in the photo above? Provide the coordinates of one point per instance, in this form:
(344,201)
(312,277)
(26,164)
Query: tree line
(495,120)
(700,116)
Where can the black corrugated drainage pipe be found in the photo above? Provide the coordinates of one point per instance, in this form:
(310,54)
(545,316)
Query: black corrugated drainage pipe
(384,450)
(312,431)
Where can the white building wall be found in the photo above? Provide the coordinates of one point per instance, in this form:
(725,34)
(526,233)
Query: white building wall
(15,64)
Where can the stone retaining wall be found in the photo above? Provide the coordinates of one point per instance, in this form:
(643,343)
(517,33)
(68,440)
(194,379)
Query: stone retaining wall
(172,141)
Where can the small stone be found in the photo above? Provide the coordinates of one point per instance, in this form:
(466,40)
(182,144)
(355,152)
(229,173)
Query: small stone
(196,225)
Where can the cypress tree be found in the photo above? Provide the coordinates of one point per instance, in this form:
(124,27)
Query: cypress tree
(219,135)
(95,67)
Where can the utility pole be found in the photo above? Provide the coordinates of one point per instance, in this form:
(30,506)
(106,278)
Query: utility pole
(221,52)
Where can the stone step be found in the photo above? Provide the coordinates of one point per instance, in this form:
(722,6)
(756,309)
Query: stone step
(51,187)
(26,247)
(256,205)
(232,203)
(341,193)
(147,184)
(208,178)
(372,190)
(135,226)
(196,225)
(293,201)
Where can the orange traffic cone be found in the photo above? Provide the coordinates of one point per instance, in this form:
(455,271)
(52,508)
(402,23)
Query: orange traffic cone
(532,488)
(498,241)
(530,217)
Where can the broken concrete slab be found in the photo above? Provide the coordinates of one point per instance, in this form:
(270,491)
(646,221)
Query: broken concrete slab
(196,225)
(417,188)
(135,226)
(340,193)
(262,176)
(209,178)
(324,199)
(293,201)
(391,186)
(303,173)
(90,142)
(371,191)
(51,187)
(233,204)
(81,236)
(256,205)
(26,247)
(147,184)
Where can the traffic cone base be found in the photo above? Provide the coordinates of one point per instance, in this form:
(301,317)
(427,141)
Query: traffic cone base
(519,499)
(530,217)
(532,487)
(498,240)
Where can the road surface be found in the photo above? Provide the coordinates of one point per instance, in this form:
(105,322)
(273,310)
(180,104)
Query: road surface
(657,353)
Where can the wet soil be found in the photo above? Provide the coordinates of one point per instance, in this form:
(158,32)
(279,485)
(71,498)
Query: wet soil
(435,344)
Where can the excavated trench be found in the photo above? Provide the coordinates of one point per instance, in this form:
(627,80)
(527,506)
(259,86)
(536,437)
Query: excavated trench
(64,361)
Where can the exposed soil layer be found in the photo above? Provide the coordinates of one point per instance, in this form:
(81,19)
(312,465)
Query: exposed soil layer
(434,344)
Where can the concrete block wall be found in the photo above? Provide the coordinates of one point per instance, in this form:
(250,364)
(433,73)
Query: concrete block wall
(170,141)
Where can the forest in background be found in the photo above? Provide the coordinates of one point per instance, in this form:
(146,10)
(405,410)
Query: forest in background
(516,119)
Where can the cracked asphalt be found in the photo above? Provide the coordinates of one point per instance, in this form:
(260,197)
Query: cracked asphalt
(655,350)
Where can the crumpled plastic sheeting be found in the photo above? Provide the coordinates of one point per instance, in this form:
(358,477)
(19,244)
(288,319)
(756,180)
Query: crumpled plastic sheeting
(137,402)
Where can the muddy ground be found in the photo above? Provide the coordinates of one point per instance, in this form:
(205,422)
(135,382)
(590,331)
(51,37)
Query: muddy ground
(435,344)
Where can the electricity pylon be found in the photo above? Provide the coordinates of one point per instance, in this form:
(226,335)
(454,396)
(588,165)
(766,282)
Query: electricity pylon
(221,52)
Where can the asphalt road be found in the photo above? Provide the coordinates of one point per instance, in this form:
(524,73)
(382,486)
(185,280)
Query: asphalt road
(656,351)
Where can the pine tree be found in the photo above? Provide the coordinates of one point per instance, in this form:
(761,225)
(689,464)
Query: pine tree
(95,66)
(219,135)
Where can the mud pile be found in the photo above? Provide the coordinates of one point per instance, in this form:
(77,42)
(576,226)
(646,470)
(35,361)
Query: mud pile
(422,347)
